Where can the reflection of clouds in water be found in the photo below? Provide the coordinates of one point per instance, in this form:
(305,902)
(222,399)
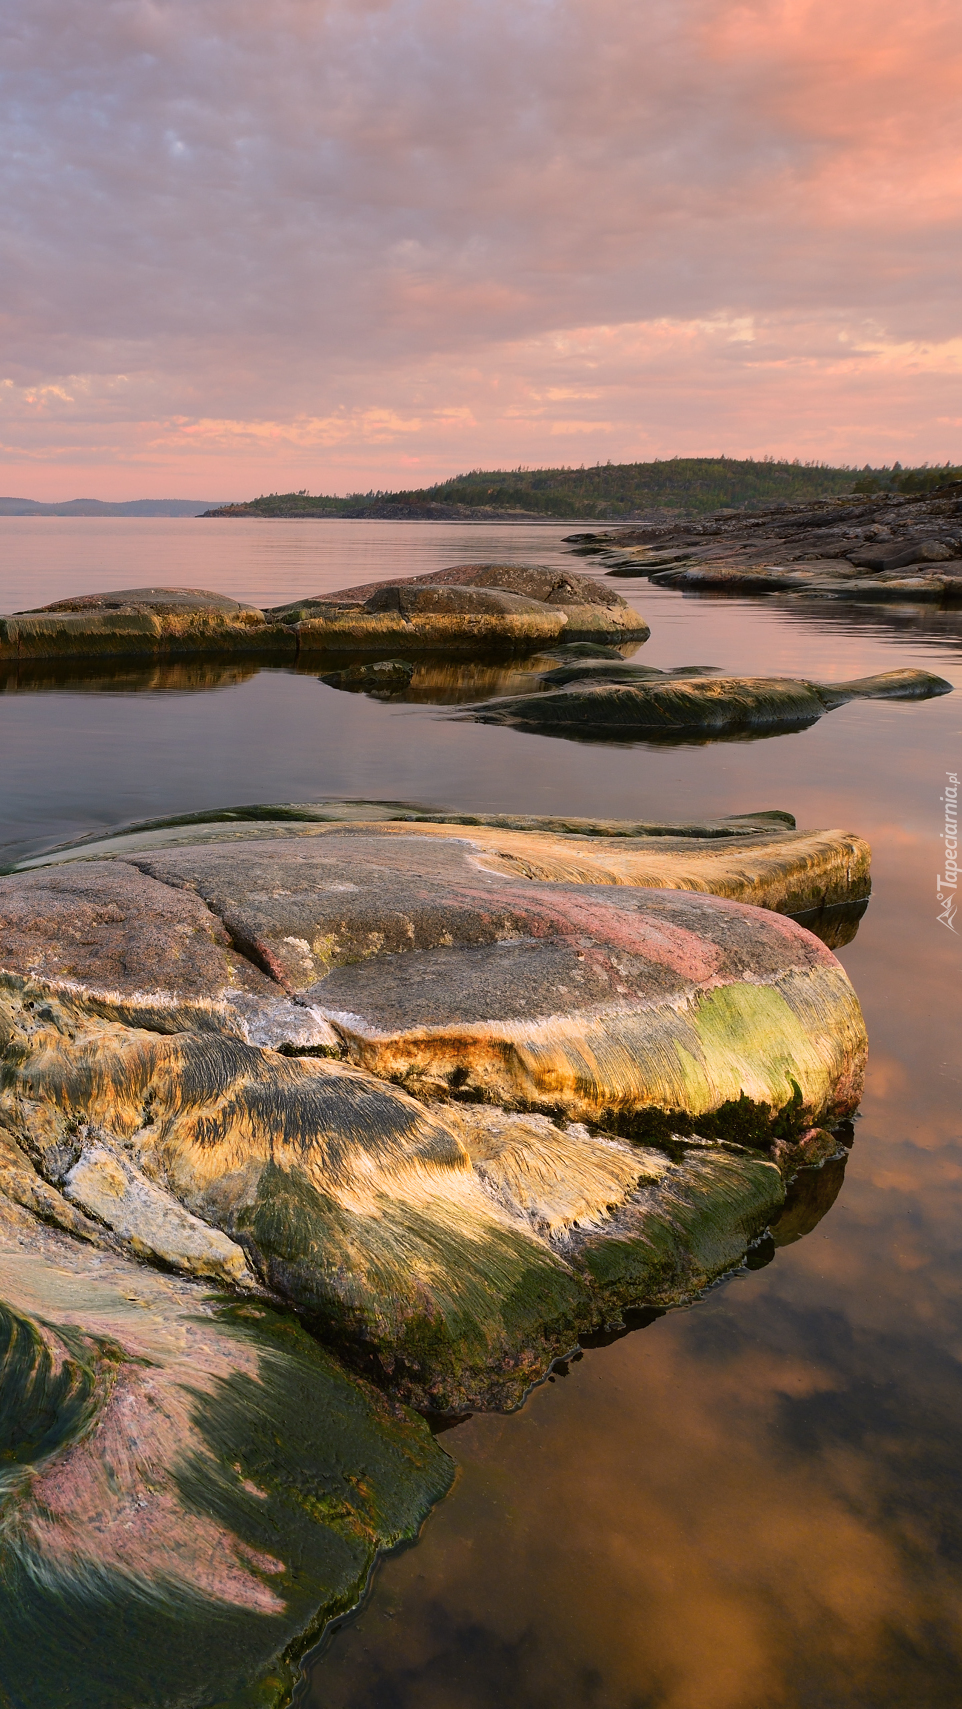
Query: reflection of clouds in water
(677,1524)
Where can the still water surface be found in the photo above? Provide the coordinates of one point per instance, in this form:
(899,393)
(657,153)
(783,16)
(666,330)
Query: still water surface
(751,1503)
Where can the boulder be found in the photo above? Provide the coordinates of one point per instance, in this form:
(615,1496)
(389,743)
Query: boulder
(386,676)
(685,704)
(543,1065)
(421,617)
(137,622)
(896,555)
(591,610)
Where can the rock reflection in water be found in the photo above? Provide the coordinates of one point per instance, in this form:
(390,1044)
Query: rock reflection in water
(187,676)
(439,681)
(837,924)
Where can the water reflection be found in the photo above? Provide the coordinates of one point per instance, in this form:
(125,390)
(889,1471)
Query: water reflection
(427,680)
(836,924)
(187,676)
(923,621)
(716,1514)
(810,1197)
(755,1502)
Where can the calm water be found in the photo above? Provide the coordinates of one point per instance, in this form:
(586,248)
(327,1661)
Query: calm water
(752,1503)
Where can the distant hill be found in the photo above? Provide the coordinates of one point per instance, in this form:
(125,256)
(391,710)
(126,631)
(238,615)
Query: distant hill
(99,507)
(607,491)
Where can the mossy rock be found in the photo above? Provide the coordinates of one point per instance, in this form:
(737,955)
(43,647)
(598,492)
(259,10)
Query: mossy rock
(189,1489)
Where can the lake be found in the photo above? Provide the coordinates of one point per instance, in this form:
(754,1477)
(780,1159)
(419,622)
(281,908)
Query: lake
(750,1503)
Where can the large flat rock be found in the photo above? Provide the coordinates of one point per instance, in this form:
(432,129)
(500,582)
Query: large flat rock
(549,994)
(474,609)
(141,622)
(570,1066)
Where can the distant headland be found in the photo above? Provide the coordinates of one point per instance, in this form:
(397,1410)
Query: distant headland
(605,491)
(102,507)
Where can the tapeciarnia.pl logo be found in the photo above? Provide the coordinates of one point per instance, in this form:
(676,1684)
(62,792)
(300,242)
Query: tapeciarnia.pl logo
(947,881)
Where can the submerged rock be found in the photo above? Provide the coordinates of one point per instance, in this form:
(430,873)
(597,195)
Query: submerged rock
(630,701)
(386,676)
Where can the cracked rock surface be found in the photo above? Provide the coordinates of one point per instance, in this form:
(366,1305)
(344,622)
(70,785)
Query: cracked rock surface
(881,548)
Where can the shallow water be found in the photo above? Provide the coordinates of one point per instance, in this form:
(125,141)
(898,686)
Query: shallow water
(752,1502)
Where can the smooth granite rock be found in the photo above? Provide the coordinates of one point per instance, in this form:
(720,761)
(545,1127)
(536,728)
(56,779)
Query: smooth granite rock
(588,610)
(135,622)
(631,703)
(141,952)
(835,549)
(544,1065)
(558,1069)
(423,617)
(465,609)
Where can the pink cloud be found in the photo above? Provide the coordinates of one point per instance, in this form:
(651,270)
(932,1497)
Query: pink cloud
(257,242)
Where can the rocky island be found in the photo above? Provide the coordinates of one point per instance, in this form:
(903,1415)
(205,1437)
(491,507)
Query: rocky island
(471,607)
(626,701)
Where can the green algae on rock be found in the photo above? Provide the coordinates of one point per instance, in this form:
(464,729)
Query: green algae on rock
(363,1206)
(545,1064)
(189,1488)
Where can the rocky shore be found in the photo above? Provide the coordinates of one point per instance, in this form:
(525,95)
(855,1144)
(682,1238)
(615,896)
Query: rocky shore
(890,547)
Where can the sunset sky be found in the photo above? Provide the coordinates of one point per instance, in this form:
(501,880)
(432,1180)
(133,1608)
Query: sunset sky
(258,245)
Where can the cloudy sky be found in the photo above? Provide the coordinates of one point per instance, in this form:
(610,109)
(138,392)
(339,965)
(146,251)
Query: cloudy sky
(257,245)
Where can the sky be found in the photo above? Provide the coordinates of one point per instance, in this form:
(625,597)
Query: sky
(263,245)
